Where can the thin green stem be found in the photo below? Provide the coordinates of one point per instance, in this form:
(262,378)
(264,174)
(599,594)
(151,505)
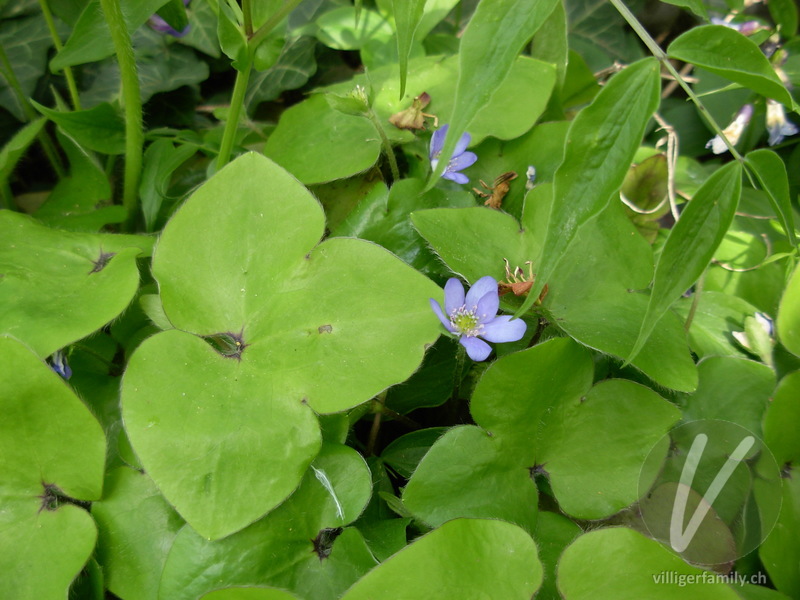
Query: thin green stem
(71,85)
(237,102)
(132,101)
(30,113)
(247,12)
(656,50)
(279,15)
(387,145)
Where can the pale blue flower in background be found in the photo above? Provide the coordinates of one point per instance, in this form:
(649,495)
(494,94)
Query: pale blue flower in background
(733,131)
(58,362)
(777,124)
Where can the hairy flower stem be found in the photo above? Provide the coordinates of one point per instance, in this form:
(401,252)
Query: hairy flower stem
(132,101)
(235,111)
(387,145)
(30,113)
(73,88)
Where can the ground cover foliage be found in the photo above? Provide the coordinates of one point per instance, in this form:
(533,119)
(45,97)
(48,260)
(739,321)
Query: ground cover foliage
(399,299)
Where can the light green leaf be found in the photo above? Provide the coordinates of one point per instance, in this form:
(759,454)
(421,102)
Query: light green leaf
(136,530)
(731,55)
(789,315)
(407,16)
(601,144)
(160,161)
(467,558)
(317,144)
(203,29)
(249,593)
(50,446)
(90,40)
(780,421)
(489,46)
(731,389)
(691,244)
(780,552)
(338,28)
(81,200)
(622,564)
(279,550)
(596,477)
(255,277)
(460,476)
(59,286)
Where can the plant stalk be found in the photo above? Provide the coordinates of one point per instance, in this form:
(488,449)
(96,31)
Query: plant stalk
(132,102)
(235,111)
(656,50)
(71,85)
(387,145)
(30,113)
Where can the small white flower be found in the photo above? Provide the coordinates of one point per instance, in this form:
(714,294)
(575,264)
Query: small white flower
(733,131)
(777,125)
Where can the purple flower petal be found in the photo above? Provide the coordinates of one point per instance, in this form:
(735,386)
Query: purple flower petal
(437,310)
(477,350)
(487,307)
(437,141)
(462,161)
(483,286)
(503,329)
(462,144)
(457,177)
(453,295)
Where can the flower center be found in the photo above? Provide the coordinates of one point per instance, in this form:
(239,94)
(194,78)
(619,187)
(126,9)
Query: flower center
(466,321)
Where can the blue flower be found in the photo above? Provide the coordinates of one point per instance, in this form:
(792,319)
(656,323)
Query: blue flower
(777,124)
(461,159)
(160,25)
(475,316)
(58,362)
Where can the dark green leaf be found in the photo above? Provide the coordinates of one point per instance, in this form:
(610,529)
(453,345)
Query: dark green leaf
(16,147)
(295,65)
(25,42)
(784,13)
(90,40)
(174,13)
(789,315)
(160,161)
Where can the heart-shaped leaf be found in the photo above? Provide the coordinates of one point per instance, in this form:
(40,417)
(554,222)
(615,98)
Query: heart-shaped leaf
(464,558)
(52,452)
(227,432)
(61,286)
(300,546)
